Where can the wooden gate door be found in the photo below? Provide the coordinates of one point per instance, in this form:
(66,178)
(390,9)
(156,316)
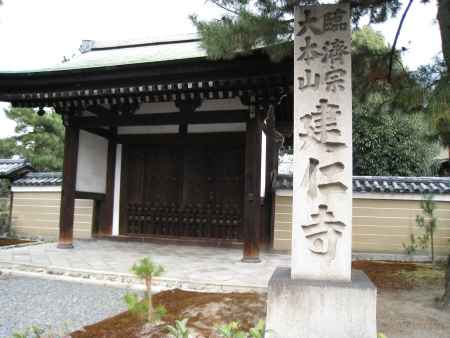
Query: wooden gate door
(188,190)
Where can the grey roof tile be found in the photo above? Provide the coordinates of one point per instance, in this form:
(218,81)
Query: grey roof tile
(39,179)
(361,184)
(115,53)
(385,184)
(12,169)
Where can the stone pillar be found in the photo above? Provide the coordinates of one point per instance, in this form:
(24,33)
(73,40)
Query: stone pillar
(320,296)
(322,195)
(68,188)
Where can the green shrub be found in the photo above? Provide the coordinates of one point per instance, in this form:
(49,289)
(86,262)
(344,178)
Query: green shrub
(179,330)
(146,269)
(135,305)
(428,223)
(233,330)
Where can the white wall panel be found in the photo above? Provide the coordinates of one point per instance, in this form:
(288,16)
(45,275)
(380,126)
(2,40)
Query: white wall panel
(140,130)
(92,163)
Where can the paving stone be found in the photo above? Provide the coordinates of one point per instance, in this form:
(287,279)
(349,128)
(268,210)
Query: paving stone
(183,263)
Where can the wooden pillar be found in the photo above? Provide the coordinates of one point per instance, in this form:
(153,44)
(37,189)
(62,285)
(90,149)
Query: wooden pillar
(11,202)
(68,188)
(274,140)
(252,202)
(106,207)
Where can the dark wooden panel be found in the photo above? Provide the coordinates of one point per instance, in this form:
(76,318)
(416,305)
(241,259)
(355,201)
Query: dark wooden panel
(185,190)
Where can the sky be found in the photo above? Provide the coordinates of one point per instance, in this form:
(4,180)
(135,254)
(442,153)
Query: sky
(38,33)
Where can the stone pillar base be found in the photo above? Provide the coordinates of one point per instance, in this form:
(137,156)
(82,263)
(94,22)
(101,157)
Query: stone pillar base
(299,308)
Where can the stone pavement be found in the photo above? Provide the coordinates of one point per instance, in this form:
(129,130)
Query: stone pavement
(189,267)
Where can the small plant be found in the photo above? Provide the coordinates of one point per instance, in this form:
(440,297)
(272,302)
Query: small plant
(180,329)
(427,222)
(411,248)
(32,332)
(258,330)
(135,306)
(160,312)
(233,330)
(145,269)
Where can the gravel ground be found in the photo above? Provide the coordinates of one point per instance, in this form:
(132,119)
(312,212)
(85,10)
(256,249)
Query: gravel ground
(59,306)
(412,314)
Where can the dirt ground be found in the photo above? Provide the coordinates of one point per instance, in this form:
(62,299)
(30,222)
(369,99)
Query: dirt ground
(9,241)
(405,309)
(412,314)
(206,311)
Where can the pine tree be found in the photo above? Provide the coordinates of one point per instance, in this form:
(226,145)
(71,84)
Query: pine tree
(39,139)
(269,23)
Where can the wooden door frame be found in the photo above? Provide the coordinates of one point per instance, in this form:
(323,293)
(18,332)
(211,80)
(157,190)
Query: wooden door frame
(127,141)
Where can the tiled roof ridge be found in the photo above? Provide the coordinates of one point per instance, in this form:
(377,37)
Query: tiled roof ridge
(13,168)
(391,178)
(93,45)
(45,173)
(384,184)
(49,178)
(361,184)
(13,160)
(403,178)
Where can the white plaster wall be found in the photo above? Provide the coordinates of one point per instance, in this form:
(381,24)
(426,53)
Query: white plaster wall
(117,182)
(217,127)
(142,130)
(157,108)
(263,163)
(92,163)
(222,104)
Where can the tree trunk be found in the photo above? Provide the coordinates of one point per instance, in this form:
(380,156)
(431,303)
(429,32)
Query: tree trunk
(148,285)
(445,299)
(432,247)
(443,17)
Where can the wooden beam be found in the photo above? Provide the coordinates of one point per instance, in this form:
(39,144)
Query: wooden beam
(237,138)
(252,203)
(274,140)
(107,205)
(83,195)
(68,188)
(105,133)
(11,202)
(221,116)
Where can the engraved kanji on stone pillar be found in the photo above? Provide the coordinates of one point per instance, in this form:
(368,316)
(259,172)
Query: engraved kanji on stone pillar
(322,194)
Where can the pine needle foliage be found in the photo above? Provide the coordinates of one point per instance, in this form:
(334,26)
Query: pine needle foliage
(269,24)
(428,222)
(39,139)
(146,269)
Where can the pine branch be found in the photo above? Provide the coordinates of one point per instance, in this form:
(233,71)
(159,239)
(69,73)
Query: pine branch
(215,2)
(391,59)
